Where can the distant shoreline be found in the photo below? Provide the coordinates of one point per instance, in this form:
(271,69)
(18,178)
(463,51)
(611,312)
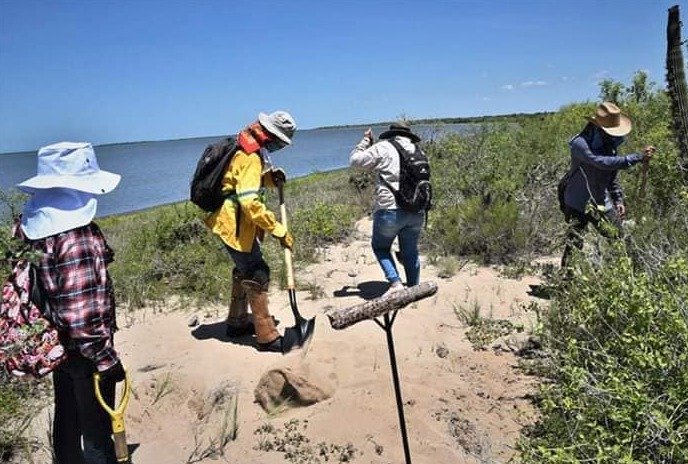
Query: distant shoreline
(457,120)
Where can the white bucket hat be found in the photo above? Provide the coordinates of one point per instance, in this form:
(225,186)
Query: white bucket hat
(63,193)
(279,124)
(71,165)
(52,211)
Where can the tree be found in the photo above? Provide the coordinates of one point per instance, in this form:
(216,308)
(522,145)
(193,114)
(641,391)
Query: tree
(611,90)
(641,87)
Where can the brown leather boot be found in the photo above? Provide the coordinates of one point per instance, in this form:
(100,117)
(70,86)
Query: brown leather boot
(267,337)
(238,322)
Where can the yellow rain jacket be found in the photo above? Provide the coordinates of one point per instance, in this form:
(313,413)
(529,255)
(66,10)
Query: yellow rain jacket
(244,183)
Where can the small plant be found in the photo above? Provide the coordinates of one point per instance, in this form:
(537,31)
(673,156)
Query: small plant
(482,331)
(225,401)
(489,330)
(163,388)
(315,291)
(296,447)
(448,266)
(468,316)
(20,402)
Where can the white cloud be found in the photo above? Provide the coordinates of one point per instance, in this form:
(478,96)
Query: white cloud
(487,99)
(564,78)
(507,87)
(533,83)
(601,74)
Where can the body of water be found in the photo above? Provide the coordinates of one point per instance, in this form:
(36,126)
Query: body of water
(157,173)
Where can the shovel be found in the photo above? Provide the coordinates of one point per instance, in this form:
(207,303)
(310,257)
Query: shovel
(116,416)
(303,328)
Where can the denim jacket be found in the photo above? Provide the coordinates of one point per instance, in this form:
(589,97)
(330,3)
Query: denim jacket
(595,170)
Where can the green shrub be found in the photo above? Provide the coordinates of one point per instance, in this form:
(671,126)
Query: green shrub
(490,232)
(20,401)
(325,223)
(166,251)
(619,338)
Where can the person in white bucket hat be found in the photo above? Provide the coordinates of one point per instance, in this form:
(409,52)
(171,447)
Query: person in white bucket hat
(57,221)
(63,190)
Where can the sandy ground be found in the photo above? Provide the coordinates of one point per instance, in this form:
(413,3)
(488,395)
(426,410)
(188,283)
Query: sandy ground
(461,405)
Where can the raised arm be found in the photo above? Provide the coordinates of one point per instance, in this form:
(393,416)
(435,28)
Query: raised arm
(580,150)
(366,155)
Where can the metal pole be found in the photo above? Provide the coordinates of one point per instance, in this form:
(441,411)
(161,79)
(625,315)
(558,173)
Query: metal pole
(397,387)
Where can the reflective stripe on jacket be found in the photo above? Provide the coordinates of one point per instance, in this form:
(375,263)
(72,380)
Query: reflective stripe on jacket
(243,183)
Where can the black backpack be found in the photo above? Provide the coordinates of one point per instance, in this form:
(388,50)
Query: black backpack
(561,190)
(415,191)
(206,183)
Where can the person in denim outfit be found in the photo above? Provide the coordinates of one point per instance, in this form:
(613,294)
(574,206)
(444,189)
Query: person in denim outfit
(593,194)
(390,221)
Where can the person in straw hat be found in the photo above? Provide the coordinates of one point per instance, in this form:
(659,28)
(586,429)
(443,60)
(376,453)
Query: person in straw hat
(241,223)
(57,220)
(593,193)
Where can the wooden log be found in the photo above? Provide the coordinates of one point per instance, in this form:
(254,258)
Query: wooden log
(343,318)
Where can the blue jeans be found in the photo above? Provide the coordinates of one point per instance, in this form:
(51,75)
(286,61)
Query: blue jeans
(389,224)
(78,415)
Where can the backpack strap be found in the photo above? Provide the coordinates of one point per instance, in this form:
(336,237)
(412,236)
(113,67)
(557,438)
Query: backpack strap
(399,149)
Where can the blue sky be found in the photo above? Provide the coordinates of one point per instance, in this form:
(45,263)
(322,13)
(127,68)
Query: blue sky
(114,71)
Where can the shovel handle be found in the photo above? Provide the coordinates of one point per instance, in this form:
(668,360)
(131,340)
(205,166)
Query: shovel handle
(121,448)
(288,261)
(116,416)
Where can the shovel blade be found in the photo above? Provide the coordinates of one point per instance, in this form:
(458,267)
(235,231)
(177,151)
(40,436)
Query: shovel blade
(298,335)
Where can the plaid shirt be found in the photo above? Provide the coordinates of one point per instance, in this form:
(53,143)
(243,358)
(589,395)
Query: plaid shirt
(77,287)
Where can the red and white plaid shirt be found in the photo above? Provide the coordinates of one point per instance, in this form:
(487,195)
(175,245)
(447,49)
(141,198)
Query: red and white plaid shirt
(75,281)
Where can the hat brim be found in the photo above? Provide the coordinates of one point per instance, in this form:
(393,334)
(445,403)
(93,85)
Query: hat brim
(265,121)
(388,134)
(53,217)
(99,183)
(624,127)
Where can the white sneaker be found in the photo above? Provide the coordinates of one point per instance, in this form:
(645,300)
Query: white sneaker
(395,287)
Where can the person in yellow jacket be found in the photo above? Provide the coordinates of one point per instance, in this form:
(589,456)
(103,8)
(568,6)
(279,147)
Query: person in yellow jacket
(242,221)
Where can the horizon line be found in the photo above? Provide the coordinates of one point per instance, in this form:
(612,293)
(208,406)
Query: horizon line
(460,120)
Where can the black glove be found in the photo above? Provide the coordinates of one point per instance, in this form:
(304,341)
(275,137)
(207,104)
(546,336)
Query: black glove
(278,176)
(287,241)
(113,374)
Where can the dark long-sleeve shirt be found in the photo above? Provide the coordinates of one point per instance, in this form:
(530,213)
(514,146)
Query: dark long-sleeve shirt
(595,172)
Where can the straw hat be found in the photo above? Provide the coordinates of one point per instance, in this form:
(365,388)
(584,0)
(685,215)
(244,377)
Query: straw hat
(400,128)
(70,165)
(610,119)
(280,124)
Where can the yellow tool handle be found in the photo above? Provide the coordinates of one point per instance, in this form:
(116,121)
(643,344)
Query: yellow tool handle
(116,416)
(287,252)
